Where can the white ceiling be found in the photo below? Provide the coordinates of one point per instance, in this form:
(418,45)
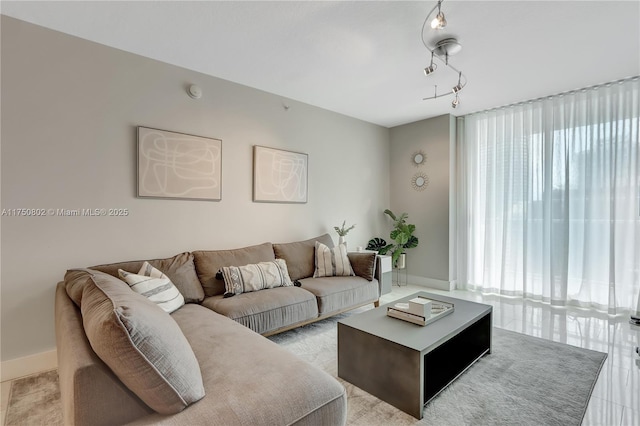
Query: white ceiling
(365,59)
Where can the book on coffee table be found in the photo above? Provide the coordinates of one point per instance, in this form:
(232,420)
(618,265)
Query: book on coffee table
(413,311)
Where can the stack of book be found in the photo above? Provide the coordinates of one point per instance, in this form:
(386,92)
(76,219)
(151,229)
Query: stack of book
(635,319)
(420,310)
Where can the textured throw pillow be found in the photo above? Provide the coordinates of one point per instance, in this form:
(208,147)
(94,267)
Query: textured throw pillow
(332,262)
(363,264)
(141,344)
(254,277)
(209,262)
(155,286)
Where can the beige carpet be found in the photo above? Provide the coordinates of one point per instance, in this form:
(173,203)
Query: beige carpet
(525,381)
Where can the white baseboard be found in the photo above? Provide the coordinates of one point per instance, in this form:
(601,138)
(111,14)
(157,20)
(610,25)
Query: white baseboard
(432,283)
(28,365)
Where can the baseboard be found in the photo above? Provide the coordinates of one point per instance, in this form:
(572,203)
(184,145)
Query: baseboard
(28,365)
(432,283)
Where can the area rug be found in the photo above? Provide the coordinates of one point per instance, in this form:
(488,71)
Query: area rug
(35,400)
(524,381)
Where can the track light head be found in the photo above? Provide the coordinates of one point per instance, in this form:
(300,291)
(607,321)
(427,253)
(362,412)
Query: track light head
(458,87)
(455,102)
(439,22)
(431,68)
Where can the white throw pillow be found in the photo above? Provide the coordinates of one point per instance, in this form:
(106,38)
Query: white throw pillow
(332,262)
(254,277)
(155,286)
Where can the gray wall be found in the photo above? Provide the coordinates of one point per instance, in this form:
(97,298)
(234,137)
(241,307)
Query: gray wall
(69,114)
(430,209)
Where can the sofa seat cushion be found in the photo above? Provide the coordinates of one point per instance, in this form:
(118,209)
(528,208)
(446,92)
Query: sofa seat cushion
(266,310)
(250,380)
(180,269)
(139,342)
(209,262)
(338,293)
(300,255)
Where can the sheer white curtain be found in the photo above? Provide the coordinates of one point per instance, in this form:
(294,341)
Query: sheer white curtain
(549,199)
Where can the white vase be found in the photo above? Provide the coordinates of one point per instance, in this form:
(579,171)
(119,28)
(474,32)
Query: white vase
(401,263)
(342,240)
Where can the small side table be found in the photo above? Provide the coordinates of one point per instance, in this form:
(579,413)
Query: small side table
(383,273)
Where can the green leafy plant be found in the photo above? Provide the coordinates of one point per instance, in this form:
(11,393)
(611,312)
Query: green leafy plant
(402,235)
(377,244)
(343,230)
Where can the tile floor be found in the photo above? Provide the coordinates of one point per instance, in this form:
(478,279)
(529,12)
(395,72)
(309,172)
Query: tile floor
(616,397)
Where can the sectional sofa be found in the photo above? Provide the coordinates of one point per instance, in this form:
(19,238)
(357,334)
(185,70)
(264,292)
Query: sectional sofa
(123,360)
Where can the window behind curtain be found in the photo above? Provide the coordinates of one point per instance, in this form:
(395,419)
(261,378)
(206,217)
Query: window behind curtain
(549,199)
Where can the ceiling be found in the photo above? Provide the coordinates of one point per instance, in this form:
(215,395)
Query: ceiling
(365,59)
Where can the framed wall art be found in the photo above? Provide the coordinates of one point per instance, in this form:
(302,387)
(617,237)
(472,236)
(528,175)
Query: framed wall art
(176,165)
(279,176)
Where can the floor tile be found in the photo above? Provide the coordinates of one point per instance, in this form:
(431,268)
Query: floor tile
(5,390)
(616,395)
(602,413)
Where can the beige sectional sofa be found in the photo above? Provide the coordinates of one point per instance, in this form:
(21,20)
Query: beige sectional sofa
(122,360)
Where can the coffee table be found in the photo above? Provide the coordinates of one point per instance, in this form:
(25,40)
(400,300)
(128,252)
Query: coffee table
(406,364)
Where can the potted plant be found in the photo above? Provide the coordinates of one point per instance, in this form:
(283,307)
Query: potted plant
(402,235)
(343,231)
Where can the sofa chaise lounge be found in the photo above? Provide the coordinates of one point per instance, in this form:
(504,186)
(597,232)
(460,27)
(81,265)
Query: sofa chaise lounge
(113,343)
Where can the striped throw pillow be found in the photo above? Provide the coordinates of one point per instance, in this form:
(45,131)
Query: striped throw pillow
(332,262)
(254,277)
(155,286)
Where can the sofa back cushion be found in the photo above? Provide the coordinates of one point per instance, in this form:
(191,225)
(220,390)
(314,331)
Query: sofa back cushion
(139,342)
(209,262)
(180,269)
(300,255)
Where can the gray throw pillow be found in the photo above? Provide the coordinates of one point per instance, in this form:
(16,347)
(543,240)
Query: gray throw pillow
(363,264)
(140,342)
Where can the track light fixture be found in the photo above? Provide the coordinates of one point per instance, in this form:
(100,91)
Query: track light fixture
(443,49)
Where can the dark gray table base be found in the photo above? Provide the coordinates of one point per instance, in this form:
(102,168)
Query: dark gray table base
(404,364)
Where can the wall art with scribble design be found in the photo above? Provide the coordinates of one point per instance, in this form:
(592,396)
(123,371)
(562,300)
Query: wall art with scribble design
(176,165)
(279,176)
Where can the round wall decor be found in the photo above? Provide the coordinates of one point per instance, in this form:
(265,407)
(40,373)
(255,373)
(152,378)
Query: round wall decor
(418,158)
(420,181)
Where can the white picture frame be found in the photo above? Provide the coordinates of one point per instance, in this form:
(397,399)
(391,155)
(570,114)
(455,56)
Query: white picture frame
(279,176)
(178,166)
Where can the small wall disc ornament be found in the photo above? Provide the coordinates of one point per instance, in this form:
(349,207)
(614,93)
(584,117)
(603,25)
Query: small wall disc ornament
(420,181)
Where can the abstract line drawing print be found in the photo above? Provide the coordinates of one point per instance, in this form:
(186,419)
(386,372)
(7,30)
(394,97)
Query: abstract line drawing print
(176,165)
(279,176)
